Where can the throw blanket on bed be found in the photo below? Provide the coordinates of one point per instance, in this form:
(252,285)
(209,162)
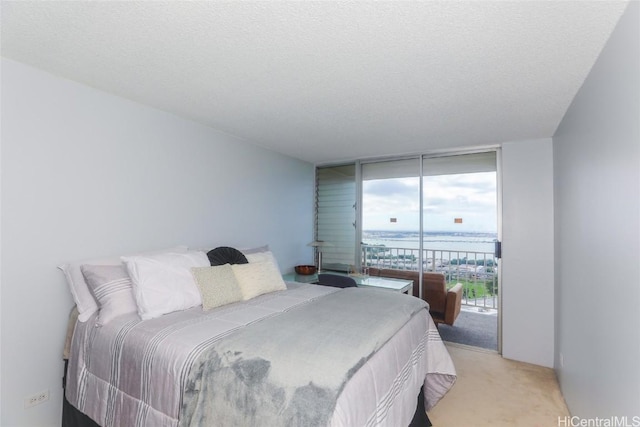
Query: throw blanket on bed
(289,369)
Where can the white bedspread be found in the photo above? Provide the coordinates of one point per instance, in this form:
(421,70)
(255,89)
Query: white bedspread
(132,372)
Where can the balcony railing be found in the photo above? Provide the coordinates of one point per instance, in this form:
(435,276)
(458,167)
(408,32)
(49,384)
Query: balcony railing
(477,271)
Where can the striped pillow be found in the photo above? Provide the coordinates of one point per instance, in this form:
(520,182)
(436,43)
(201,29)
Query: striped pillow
(111,287)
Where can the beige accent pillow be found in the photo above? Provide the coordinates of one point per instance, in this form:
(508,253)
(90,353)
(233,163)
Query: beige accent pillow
(218,285)
(257,278)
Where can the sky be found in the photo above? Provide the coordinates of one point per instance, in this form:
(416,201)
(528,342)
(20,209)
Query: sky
(470,197)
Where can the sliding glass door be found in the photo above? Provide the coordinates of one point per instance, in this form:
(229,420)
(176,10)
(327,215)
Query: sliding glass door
(424,213)
(391,214)
(382,214)
(460,223)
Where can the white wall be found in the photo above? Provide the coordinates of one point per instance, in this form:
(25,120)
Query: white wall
(527,247)
(597,188)
(88,174)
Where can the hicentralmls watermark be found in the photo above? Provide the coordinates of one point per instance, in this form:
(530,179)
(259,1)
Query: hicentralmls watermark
(599,422)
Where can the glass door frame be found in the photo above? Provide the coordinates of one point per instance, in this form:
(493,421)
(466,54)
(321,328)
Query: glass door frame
(420,159)
(359,210)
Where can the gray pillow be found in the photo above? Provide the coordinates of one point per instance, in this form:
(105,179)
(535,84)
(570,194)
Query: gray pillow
(112,288)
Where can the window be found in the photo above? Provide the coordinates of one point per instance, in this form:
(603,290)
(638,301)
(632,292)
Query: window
(336,215)
(408,204)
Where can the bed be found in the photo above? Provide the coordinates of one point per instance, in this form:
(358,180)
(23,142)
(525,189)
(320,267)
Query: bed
(301,355)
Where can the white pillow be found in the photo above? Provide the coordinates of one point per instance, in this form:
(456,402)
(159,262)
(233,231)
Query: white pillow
(218,285)
(266,256)
(85,303)
(111,287)
(163,283)
(257,278)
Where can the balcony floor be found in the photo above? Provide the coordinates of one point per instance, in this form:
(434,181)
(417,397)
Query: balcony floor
(474,328)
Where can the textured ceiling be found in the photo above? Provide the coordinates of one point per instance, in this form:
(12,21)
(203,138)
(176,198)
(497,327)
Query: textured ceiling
(328,81)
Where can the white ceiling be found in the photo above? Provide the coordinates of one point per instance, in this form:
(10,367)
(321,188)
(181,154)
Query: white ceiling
(328,81)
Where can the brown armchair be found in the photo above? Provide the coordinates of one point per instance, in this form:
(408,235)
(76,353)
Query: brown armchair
(444,305)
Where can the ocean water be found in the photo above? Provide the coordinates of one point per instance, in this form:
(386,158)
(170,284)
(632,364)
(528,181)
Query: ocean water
(448,241)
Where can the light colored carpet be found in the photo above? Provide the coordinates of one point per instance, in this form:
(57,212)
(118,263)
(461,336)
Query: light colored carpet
(492,391)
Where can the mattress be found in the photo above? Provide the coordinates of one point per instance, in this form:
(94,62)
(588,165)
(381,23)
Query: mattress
(133,372)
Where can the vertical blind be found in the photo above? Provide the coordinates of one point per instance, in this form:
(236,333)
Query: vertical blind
(336,215)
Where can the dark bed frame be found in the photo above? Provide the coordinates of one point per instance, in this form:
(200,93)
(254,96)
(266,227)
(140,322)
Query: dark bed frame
(72,417)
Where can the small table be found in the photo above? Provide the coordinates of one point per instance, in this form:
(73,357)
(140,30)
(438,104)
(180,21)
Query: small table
(397,285)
